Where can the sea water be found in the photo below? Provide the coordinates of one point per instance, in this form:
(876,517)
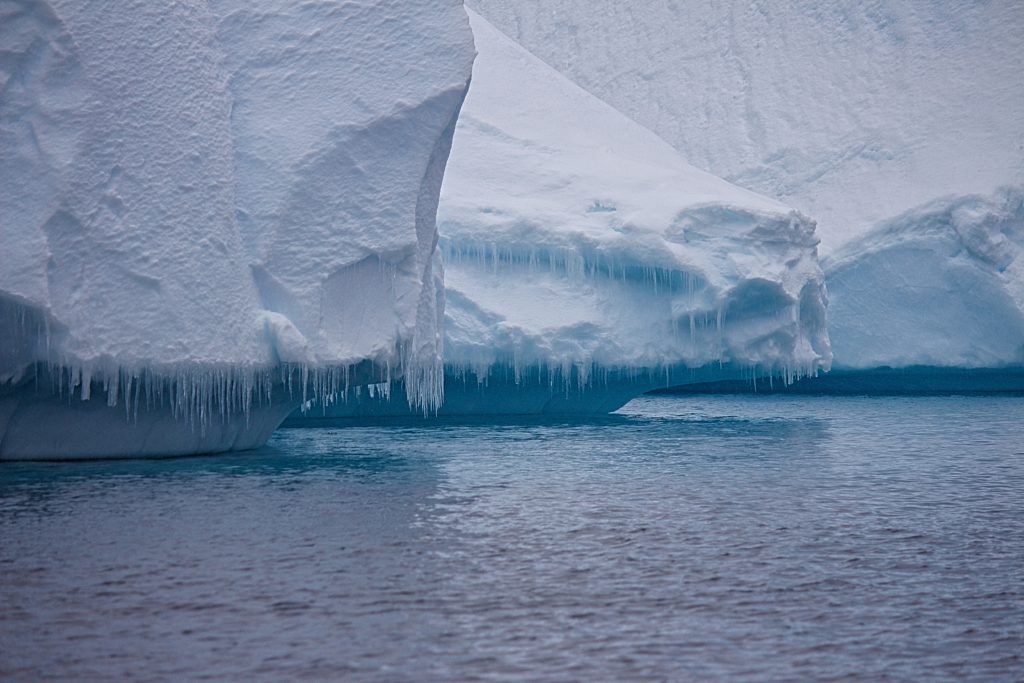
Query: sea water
(741,538)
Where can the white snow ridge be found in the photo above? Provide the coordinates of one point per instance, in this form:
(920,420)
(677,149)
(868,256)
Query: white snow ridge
(210,212)
(586,262)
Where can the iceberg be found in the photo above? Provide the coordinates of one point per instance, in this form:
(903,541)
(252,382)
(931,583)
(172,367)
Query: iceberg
(894,124)
(210,212)
(586,262)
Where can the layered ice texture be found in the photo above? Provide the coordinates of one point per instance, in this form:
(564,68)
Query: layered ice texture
(586,262)
(210,211)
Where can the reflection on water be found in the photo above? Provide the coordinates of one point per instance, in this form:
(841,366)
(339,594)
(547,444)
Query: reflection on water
(750,538)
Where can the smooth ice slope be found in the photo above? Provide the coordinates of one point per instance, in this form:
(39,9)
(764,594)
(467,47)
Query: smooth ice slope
(586,261)
(852,112)
(941,286)
(204,203)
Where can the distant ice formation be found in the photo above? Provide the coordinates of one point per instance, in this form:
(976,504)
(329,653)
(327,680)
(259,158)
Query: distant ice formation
(210,211)
(586,262)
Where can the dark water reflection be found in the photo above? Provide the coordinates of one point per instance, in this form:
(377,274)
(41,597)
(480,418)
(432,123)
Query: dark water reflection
(748,538)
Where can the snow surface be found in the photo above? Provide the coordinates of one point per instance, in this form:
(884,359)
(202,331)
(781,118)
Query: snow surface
(194,196)
(586,261)
(852,112)
(941,286)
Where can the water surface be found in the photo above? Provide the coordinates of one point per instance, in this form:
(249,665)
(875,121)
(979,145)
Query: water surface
(748,538)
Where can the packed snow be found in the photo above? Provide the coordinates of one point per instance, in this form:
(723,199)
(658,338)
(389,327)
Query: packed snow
(586,261)
(202,204)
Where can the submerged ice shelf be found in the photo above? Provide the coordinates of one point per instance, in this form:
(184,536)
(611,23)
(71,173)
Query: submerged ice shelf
(586,262)
(208,209)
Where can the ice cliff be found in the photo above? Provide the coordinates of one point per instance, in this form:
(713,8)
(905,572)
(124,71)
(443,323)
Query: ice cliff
(209,211)
(586,261)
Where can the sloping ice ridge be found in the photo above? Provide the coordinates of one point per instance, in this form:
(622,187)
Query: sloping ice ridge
(586,261)
(212,211)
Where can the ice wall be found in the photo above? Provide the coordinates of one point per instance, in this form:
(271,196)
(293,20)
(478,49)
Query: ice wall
(202,204)
(852,112)
(586,261)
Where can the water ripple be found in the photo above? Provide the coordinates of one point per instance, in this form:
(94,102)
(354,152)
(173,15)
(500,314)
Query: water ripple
(739,538)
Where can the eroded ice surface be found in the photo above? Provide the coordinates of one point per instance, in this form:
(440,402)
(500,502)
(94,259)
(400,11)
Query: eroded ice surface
(930,302)
(202,202)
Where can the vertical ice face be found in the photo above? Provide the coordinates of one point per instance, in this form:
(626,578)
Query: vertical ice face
(116,203)
(192,194)
(342,117)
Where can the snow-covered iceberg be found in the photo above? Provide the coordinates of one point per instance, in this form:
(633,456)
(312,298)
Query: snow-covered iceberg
(586,262)
(210,211)
(890,123)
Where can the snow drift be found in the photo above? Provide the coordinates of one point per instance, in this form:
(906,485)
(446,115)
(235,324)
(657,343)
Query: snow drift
(208,210)
(587,262)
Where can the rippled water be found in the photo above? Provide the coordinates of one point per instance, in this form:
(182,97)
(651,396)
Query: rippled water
(748,538)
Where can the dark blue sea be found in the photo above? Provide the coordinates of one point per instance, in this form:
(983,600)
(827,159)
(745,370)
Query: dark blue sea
(757,538)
